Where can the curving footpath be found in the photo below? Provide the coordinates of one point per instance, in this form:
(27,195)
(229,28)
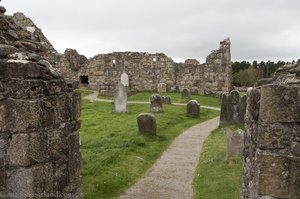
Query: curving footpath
(94,97)
(172,175)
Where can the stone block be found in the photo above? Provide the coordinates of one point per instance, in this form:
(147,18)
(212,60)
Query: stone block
(193,108)
(25,149)
(273,175)
(18,151)
(294,178)
(24,115)
(146,124)
(37,179)
(156,103)
(276,136)
(280,104)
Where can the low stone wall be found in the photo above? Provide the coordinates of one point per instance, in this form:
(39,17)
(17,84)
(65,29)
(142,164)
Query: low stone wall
(272,143)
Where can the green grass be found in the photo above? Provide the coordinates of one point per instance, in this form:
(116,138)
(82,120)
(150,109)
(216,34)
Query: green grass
(215,177)
(84,92)
(114,154)
(176,97)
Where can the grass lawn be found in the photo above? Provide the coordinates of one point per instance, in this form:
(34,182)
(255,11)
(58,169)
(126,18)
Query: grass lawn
(215,177)
(114,155)
(176,97)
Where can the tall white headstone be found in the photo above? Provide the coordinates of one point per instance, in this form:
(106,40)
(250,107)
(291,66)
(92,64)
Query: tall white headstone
(125,79)
(120,99)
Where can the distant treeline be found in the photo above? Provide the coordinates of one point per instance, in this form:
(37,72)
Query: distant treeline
(246,73)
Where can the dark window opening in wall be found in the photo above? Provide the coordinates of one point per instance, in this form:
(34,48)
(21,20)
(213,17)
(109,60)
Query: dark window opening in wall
(84,79)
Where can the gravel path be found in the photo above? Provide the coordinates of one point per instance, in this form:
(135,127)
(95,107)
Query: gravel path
(172,175)
(94,97)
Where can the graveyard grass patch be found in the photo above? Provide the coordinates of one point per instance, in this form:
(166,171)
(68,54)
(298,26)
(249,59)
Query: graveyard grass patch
(176,97)
(114,155)
(215,177)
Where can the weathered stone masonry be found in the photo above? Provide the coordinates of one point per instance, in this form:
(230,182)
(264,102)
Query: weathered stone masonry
(39,120)
(272,138)
(146,71)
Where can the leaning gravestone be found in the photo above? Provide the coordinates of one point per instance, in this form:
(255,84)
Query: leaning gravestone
(193,108)
(146,124)
(185,93)
(234,143)
(125,79)
(156,103)
(120,99)
(162,88)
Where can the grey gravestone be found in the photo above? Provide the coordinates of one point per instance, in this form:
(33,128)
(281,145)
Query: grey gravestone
(166,100)
(162,88)
(146,124)
(193,108)
(125,79)
(234,143)
(120,99)
(233,108)
(185,93)
(156,103)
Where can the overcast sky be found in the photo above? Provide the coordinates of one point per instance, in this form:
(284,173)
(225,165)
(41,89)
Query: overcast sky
(258,29)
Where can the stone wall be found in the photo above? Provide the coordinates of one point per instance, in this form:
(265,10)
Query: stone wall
(39,121)
(272,138)
(147,70)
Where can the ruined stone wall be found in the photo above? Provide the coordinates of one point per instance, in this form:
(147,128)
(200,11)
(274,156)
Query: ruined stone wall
(146,71)
(212,77)
(39,121)
(272,138)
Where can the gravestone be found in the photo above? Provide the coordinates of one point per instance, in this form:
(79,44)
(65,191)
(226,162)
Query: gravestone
(146,124)
(125,79)
(166,100)
(185,93)
(234,143)
(120,99)
(156,103)
(233,108)
(162,88)
(193,108)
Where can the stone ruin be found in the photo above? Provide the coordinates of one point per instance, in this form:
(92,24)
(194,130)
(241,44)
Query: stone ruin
(145,71)
(272,138)
(39,118)
(233,108)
